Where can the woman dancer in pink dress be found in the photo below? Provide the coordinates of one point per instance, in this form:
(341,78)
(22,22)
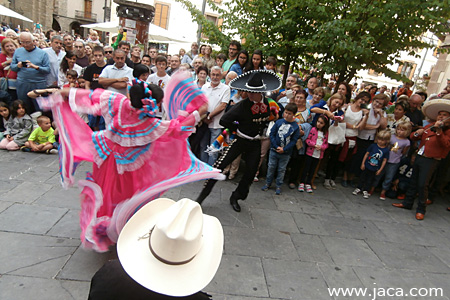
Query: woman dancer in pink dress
(136,158)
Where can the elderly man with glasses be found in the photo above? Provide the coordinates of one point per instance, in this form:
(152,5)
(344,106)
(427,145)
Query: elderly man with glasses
(32,66)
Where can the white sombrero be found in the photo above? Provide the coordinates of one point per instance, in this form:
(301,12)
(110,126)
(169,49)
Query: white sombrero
(432,108)
(170,247)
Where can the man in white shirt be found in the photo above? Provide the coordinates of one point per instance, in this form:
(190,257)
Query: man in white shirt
(218,97)
(55,56)
(116,77)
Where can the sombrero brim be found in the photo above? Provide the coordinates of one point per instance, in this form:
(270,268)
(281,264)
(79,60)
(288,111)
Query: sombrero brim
(180,280)
(271,81)
(432,108)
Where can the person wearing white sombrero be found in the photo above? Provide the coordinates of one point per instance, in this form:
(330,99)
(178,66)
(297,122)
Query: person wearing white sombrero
(248,119)
(166,250)
(434,146)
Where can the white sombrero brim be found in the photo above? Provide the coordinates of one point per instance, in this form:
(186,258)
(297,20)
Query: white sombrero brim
(271,80)
(432,108)
(173,280)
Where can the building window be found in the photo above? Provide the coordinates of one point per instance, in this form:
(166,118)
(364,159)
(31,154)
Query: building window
(373,73)
(407,69)
(161,18)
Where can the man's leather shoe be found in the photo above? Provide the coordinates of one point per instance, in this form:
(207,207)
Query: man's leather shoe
(400,205)
(428,202)
(235,205)
(420,216)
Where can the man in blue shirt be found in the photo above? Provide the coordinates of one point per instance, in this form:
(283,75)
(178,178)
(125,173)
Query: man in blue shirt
(32,66)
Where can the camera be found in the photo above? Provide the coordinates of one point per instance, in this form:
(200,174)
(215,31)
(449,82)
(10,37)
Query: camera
(25,64)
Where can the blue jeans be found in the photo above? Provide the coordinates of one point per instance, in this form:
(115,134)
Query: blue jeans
(207,141)
(279,163)
(389,173)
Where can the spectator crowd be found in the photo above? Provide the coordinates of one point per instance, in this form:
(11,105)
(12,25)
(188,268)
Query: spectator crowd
(378,139)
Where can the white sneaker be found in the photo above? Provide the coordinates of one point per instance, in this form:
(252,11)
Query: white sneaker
(333,184)
(53,151)
(327,184)
(366,195)
(356,191)
(255,179)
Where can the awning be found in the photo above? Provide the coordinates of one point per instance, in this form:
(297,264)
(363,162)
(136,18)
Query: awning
(156,33)
(4,11)
(161,35)
(112,26)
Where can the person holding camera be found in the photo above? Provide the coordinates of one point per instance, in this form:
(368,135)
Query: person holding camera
(32,66)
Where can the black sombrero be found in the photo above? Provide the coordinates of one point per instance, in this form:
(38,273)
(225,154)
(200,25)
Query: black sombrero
(256,81)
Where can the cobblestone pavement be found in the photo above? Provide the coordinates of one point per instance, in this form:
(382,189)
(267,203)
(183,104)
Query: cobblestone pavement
(292,246)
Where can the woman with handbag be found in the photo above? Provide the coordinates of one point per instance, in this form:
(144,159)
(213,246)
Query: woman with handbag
(355,118)
(7,76)
(336,136)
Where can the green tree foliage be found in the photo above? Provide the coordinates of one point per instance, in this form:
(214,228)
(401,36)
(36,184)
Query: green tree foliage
(339,36)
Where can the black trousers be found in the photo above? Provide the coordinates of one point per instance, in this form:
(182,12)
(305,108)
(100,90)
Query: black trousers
(309,169)
(366,180)
(423,169)
(251,152)
(333,165)
(295,163)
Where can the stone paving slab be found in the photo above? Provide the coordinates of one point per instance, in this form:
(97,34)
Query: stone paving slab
(288,280)
(311,248)
(350,252)
(26,192)
(279,220)
(30,218)
(292,246)
(239,275)
(18,251)
(67,226)
(22,287)
(259,242)
(407,256)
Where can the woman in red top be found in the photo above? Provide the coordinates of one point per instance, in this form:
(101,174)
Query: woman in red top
(9,46)
(434,146)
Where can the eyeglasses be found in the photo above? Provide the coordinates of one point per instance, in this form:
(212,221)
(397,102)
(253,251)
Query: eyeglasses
(234,49)
(108,52)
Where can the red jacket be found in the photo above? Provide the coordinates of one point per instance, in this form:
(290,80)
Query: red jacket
(436,146)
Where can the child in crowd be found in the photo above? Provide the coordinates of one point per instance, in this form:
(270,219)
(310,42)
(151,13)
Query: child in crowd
(160,78)
(402,178)
(399,147)
(220,59)
(18,129)
(5,115)
(373,162)
(72,77)
(42,138)
(271,64)
(316,142)
(283,137)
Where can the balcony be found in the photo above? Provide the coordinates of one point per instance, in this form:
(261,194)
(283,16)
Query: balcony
(86,16)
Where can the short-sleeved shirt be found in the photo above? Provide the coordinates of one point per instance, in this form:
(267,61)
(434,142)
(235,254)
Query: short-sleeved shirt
(113,72)
(369,134)
(159,81)
(397,146)
(41,137)
(91,74)
(227,64)
(416,117)
(216,96)
(375,157)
